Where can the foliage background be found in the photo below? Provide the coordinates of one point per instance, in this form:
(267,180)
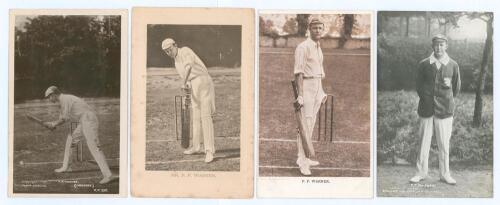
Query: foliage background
(402,44)
(216,45)
(80,54)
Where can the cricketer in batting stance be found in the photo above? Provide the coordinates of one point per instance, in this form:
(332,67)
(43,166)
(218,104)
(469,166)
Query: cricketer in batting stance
(74,108)
(308,71)
(194,75)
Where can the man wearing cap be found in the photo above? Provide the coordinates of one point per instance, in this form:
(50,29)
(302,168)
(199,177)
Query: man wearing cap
(194,75)
(308,71)
(437,83)
(74,108)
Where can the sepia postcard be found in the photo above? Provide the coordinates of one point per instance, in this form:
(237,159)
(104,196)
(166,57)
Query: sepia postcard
(315,104)
(192,102)
(68,103)
(435,104)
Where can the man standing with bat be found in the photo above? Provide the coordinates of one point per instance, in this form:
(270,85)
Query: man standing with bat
(308,71)
(194,75)
(74,108)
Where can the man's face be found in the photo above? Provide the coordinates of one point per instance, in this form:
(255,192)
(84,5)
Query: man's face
(316,30)
(439,47)
(53,98)
(171,51)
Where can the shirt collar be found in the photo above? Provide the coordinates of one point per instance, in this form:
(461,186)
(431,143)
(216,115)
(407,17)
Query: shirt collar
(176,57)
(316,44)
(444,60)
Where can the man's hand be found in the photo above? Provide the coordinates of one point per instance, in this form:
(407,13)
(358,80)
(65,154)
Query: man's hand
(299,102)
(324,100)
(49,125)
(186,89)
(447,82)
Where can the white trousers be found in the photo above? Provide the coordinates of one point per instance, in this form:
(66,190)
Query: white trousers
(87,129)
(203,107)
(313,95)
(441,128)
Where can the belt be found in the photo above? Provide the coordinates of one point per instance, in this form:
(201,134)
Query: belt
(312,77)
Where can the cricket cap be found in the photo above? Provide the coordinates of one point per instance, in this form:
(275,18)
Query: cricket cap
(315,21)
(167,43)
(439,37)
(51,90)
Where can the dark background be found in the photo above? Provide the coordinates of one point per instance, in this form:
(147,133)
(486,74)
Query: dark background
(404,39)
(216,45)
(79,54)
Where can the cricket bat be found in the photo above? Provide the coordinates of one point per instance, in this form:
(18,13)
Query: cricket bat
(306,143)
(186,120)
(37,120)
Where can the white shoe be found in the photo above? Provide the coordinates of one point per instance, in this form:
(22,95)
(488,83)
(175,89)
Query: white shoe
(448,180)
(108,179)
(304,170)
(301,161)
(63,169)
(307,161)
(312,162)
(416,179)
(209,157)
(192,151)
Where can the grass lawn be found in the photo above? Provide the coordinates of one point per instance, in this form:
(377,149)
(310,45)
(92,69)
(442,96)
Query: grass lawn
(472,181)
(41,151)
(348,79)
(163,150)
(397,126)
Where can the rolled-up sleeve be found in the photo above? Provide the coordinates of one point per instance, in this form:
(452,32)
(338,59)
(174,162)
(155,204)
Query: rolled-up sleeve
(300,60)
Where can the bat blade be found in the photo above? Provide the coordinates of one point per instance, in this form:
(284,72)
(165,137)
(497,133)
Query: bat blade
(307,144)
(36,120)
(186,121)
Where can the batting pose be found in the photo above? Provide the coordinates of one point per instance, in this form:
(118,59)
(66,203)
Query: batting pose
(309,72)
(74,108)
(194,75)
(438,83)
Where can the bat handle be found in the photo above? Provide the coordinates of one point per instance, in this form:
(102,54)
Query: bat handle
(188,97)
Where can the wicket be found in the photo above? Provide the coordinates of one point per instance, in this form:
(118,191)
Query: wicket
(79,146)
(326,121)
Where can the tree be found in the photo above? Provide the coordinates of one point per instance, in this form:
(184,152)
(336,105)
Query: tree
(487,53)
(262,25)
(302,24)
(427,24)
(80,54)
(407,29)
(347,26)
(487,17)
(290,26)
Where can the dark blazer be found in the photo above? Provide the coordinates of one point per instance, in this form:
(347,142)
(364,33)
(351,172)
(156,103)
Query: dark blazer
(437,99)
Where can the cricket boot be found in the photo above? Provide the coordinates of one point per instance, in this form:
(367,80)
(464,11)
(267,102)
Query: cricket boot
(192,150)
(108,179)
(304,170)
(448,180)
(312,162)
(209,157)
(416,179)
